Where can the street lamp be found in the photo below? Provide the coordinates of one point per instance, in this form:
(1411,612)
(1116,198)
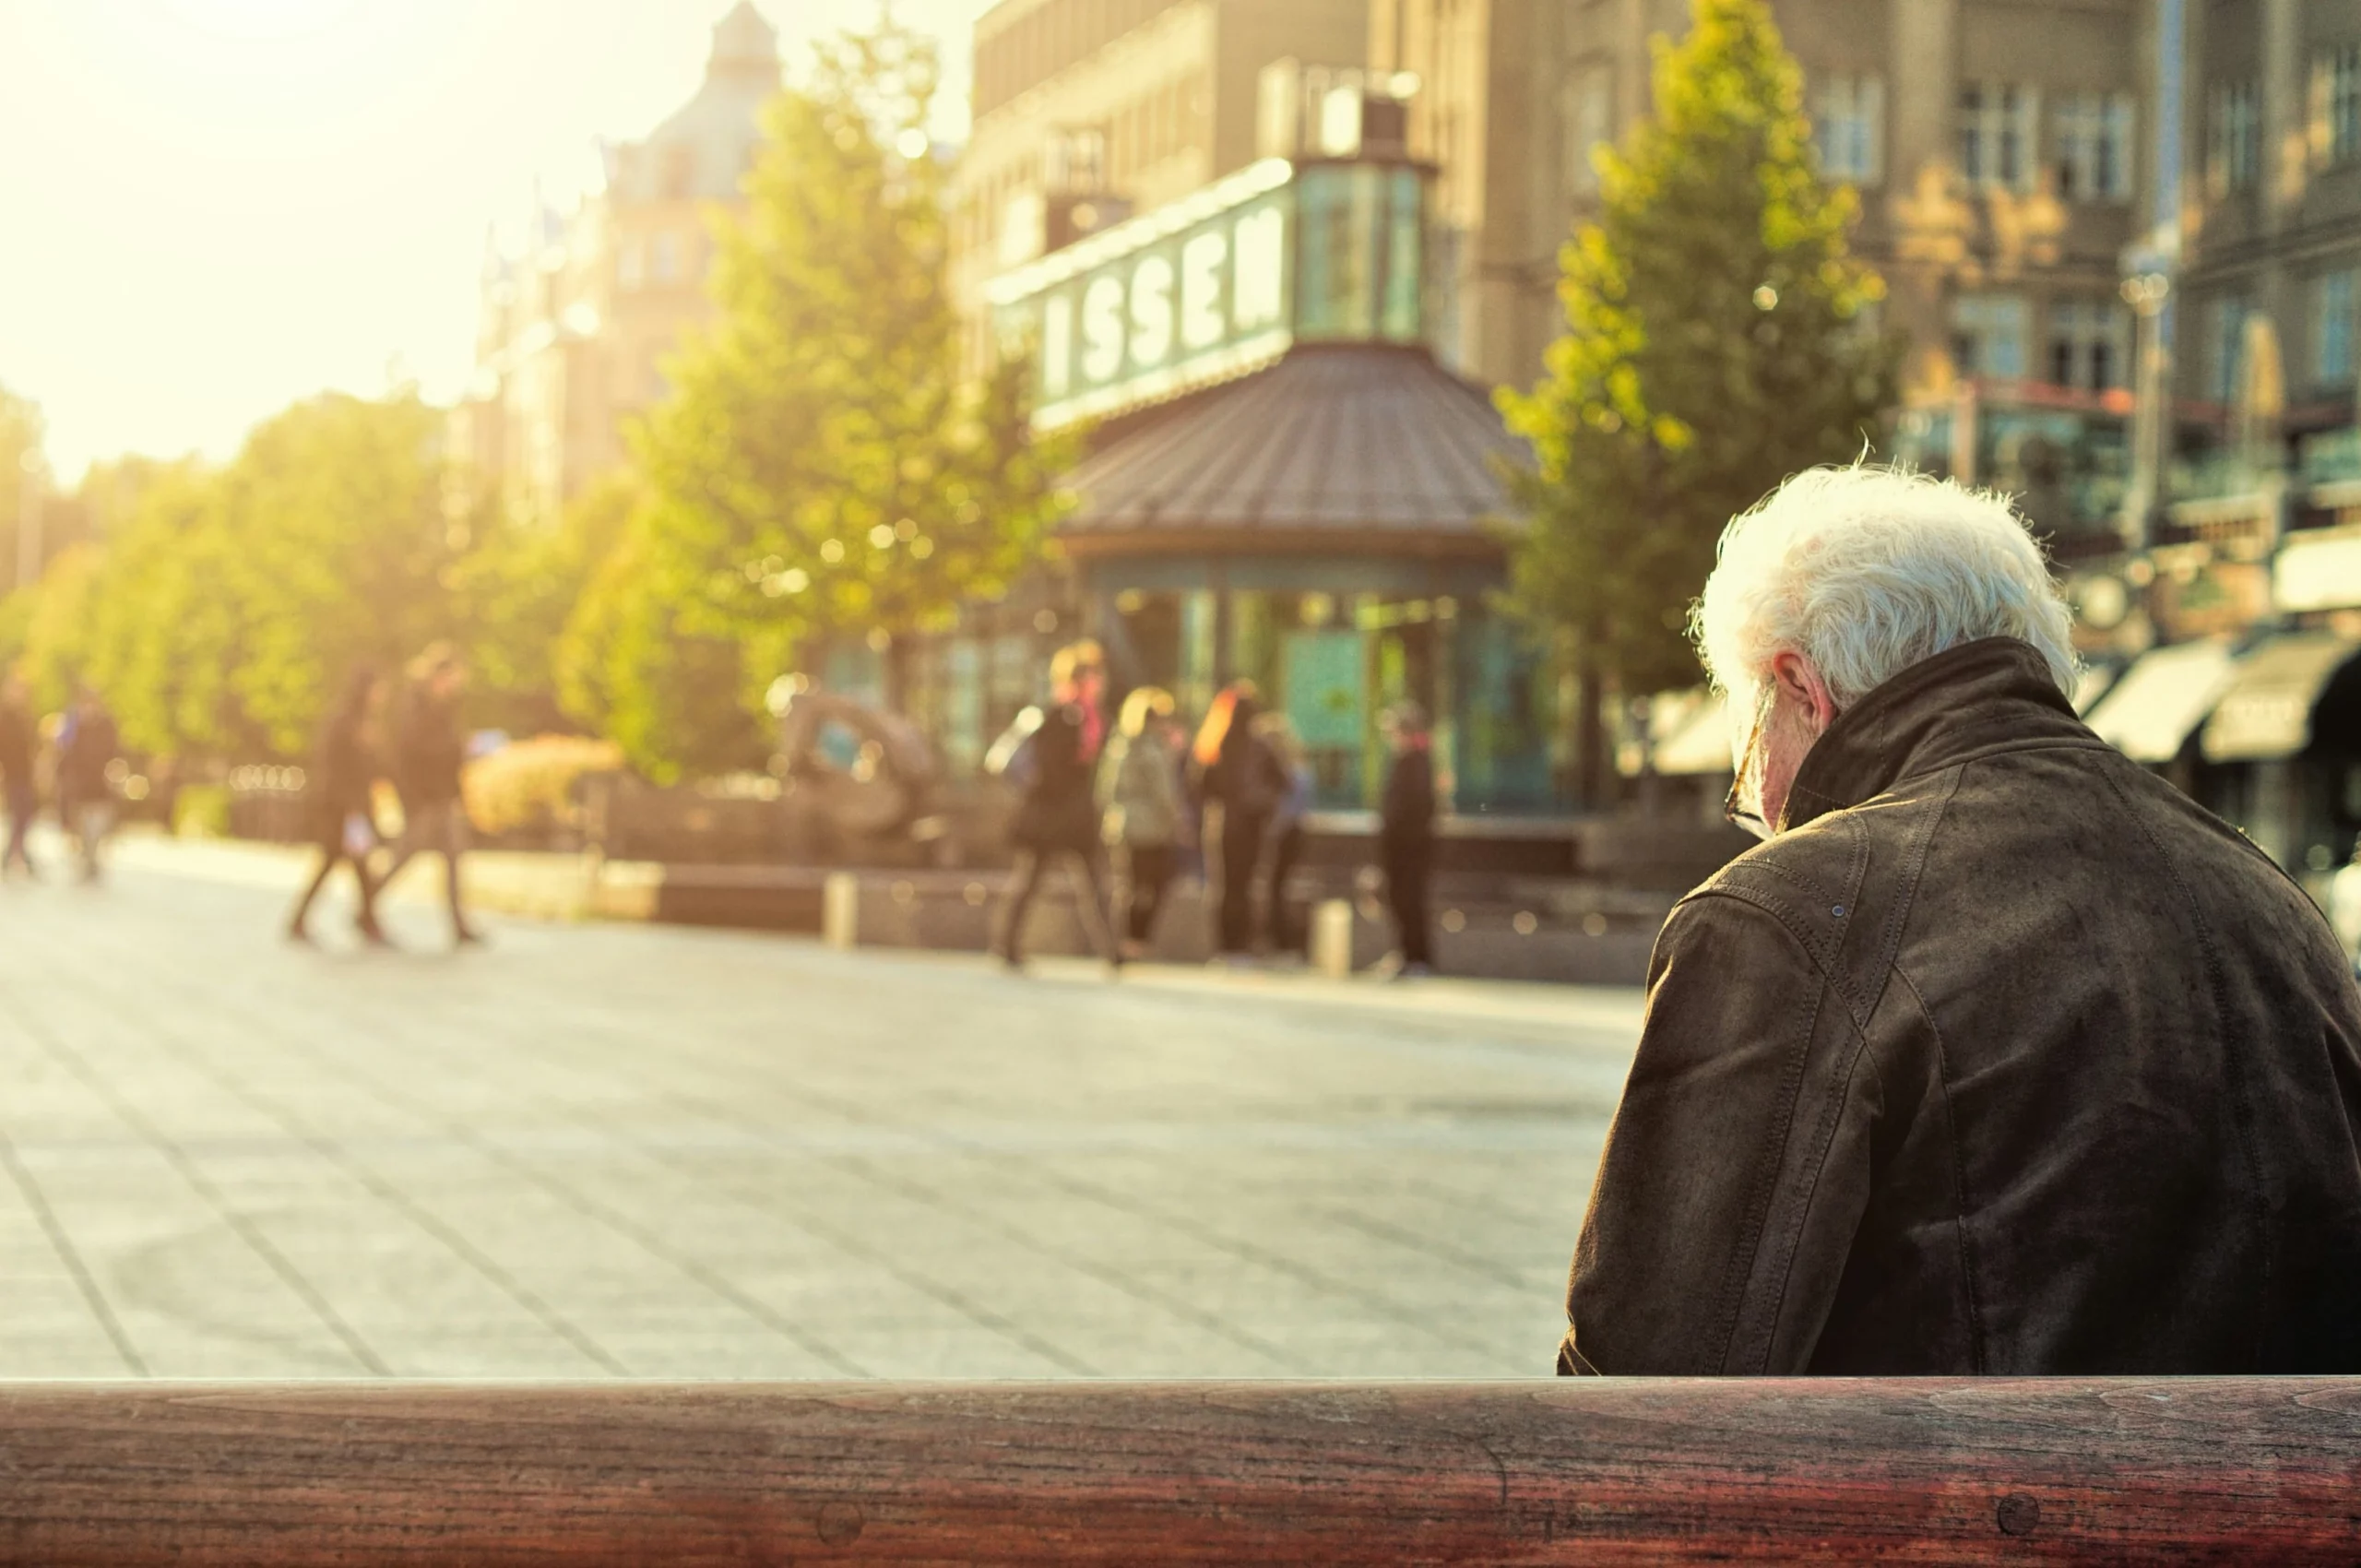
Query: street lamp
(2147,286)
(28,520)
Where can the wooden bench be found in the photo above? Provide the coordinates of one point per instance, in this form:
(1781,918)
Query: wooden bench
(2236,1468)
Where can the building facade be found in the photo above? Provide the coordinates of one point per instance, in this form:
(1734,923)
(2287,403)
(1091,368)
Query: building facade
(1085,112)
(1999,150)
(578,315)
(2239,610)
(1201,217)
(2271,287)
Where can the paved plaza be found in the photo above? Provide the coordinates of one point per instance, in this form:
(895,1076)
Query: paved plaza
(627,1151)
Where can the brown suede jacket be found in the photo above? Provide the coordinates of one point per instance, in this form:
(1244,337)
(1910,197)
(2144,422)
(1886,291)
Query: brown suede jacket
(2003,1057)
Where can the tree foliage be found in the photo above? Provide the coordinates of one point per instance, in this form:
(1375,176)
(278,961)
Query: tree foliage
(20,444)
(629,665)
(227,609)
(822,468)
(1717,339)
(518,586)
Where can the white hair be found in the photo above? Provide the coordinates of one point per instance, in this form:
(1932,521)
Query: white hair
(1866,570)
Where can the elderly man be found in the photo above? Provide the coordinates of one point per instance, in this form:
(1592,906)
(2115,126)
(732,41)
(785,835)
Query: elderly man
(2000,1055)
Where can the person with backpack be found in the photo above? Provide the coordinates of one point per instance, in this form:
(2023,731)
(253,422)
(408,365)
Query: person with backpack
(1406,834)
(1282,922)
(19,749)
(430,749)
(344,767)
(1049,755)
(87,747)
(1238,774)
(1144,809)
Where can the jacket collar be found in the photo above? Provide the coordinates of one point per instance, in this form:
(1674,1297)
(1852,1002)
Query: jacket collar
(1997,691)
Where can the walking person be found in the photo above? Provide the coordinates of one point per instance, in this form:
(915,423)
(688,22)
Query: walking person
(1143,805)
(1284,851)
(1238,774)
(1405,835)
(86,747)
(343,769)
(430,749)
(1048,754)
(20,750)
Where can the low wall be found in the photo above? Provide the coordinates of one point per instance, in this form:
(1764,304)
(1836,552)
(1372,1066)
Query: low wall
(1479,936)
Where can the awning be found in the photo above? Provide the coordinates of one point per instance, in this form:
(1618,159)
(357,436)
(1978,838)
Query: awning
(2267,711)
(2150,712)
(1333,443)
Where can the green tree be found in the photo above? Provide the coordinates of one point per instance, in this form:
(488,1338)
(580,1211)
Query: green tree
(1717,339)
(823,467)
(518,584)
(342,552)
(167,631)
(56,652)
(222,612)
(672,697)
(20,444)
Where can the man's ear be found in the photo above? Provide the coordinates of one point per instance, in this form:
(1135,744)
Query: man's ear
(1799,682)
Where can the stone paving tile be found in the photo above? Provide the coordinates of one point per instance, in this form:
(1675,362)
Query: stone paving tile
(599,1151)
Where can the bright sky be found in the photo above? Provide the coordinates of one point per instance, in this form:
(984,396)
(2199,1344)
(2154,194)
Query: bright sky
(211,207)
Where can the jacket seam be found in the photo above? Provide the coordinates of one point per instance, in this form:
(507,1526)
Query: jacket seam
(1977,1356)
(1730,1304)
(1832,1116)
(2241,1100)
(1840,1091)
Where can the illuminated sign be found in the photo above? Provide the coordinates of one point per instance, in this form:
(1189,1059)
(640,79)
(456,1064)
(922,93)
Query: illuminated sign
(1220,282)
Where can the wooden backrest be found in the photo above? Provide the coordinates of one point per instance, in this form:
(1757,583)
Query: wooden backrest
(264,1474)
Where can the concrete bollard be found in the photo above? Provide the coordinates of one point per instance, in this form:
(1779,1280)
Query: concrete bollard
(840,912)
(1332,938)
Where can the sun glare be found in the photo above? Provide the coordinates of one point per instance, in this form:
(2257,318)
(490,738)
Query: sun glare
(262,20)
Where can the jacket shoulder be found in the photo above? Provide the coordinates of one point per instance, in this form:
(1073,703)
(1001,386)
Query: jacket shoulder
(1842,884)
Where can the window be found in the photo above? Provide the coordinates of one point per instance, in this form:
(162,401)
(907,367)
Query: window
(2086,344)
(1989,333)
(631,267)
(2333,328)
(2227,346)
(2336,104)
(666,266)
(1997,143)
(2095,145)
(2233,138)
(1848,126)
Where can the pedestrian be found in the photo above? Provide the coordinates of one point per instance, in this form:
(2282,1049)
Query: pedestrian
(430,751)
(1143,804)
(19,752)
(1238,774)
(1048,754)
(1285,850)
(88,747)
(2000,1055)
(1406,834)
(344,769)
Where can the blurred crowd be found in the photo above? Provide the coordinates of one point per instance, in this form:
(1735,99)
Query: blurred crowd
(405,735)
(1130,804)
(72,761)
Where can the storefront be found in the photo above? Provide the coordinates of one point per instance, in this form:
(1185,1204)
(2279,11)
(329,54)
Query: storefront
(1284,486)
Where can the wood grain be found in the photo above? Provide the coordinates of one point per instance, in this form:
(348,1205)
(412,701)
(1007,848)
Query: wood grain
(1589,1471)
